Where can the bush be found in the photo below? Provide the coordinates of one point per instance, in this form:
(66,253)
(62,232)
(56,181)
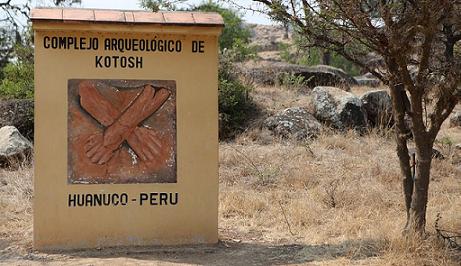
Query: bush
(18,81)
(241,51)
(235,103)
(18,75)
(291,81)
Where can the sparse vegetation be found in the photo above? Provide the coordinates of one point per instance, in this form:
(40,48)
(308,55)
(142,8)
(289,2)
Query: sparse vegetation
(292,81)
(419,43)
(298,53)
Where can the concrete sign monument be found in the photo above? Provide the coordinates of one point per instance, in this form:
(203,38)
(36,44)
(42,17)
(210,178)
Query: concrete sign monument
(126,130)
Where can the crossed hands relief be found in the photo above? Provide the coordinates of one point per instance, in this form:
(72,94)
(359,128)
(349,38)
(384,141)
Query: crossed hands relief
(121,125)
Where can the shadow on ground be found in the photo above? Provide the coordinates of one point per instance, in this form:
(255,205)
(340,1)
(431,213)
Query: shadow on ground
(224,253)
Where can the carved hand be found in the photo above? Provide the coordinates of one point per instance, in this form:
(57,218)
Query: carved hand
(100,148)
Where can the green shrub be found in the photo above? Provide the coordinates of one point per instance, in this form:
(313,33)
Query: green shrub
(18,75)
(286,53)
(18,81)
(241,51)
(291,81)
(235,103)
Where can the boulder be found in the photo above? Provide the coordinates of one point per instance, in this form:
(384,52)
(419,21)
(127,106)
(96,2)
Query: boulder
(14,147)
(337,108)
(272,73)
(377,106)
(293,122)
(20,114)
(455,119)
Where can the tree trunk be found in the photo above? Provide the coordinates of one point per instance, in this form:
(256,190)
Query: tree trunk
(399,106)
(326,58)
(417,220)
(286,28)
(399,101)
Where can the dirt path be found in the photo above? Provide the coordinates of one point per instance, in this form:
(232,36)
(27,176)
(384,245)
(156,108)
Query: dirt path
(224,253)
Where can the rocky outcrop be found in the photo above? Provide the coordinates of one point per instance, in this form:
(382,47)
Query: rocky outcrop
(14,148)
(20,114)
(377,106)
(337,108)
(268,37)
(455,119)
(293,122)
(272,73)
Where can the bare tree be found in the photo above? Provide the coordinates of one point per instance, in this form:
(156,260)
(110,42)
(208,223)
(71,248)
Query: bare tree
(11,14)
(14,17)
(419,43)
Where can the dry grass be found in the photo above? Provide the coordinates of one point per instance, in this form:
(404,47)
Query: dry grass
(340,190)
(360,90)
(16,193)
(273,99)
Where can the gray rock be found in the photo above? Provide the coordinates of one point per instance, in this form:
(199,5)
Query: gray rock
(272,73)
(455,119)
(377,106)
(14,147)
(293,122)
(337,108)
(20,114)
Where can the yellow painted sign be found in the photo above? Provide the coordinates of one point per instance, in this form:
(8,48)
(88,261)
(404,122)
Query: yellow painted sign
(126,133)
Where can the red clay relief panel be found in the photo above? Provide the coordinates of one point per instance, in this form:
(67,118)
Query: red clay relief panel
(121,131)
